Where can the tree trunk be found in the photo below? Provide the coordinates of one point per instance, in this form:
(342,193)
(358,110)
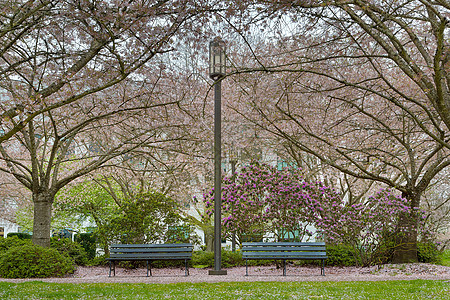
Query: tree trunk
(42,218)
(405,250)
(209,238)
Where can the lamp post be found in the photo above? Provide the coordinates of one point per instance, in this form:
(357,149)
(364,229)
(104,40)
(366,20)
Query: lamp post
(234,156)
(216,73)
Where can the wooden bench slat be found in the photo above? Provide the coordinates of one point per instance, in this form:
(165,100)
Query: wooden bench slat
(127,257)
(303,248)
(151,246)
(144,250)
(179,254)
(149,252)
(279,244)
(284,254)
(285,251)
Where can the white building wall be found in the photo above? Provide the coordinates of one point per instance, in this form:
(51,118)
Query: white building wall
(8,227)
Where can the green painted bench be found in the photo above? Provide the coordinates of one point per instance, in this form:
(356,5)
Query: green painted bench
(285,251)
(149,253)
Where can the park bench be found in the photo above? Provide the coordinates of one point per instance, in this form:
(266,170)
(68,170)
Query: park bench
(285,251)
(149,253)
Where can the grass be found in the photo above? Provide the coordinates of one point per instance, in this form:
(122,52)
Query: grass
(415,289)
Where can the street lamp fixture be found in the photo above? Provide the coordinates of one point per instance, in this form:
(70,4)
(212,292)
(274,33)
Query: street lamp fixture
(217,73)
(217,66)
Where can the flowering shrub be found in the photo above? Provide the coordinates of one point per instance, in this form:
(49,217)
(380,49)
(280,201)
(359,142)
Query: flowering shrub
(263,199)
(370,227)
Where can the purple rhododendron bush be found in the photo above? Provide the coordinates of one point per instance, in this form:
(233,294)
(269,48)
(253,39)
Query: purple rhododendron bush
(280,204)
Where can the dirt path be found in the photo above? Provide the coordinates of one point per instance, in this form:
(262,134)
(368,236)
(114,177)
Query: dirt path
(266,273)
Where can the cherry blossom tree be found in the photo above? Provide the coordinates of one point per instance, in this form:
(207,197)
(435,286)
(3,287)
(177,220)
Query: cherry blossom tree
(364,87)
(385,39)
(83,84)
(54,53)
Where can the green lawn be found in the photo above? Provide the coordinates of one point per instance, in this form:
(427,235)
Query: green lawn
(417,289)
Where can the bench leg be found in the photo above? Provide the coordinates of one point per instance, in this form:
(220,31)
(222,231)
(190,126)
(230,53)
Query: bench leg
(112,267)
(186,268)
(246,268)
(323,268)
(284,267)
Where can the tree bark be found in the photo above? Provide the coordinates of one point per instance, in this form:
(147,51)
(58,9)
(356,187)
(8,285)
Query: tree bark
(209,238)
(42,219)
(405,249)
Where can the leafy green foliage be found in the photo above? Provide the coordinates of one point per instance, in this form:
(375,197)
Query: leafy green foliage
(125,216)
(229,259)
(144,219)
(340,255)
(66,247)
(88,242)
(98,261)
(12,241)
(445,258)
(29,261)
(20,235)
(428,252)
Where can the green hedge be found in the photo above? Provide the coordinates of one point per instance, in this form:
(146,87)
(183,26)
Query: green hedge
(74,250)
(429,252)
(13,241)
(206,259)
(88,242)
(32,261)
(340,255)
(20,235)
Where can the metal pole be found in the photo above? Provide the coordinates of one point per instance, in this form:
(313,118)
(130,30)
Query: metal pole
(217,179)
(233,177)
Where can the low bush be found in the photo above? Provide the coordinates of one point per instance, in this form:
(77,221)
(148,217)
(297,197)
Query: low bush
(12,241)
(20,235)
(229,259)
(203,258)
(428,252)
(232,259)
(97,261)
(32,261)
(74,250)
(88,242)
(340,255)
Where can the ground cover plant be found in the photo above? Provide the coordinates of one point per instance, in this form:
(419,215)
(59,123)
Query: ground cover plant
(414,289)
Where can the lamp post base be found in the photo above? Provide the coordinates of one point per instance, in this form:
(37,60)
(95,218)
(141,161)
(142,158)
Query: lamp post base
(217,272)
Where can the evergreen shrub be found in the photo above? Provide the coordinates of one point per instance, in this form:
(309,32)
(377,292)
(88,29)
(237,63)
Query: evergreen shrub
(340,255)
(20,235)
(12,241)
(32,261)
(428,252)
(74,250)
(229,259)
(88,242)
